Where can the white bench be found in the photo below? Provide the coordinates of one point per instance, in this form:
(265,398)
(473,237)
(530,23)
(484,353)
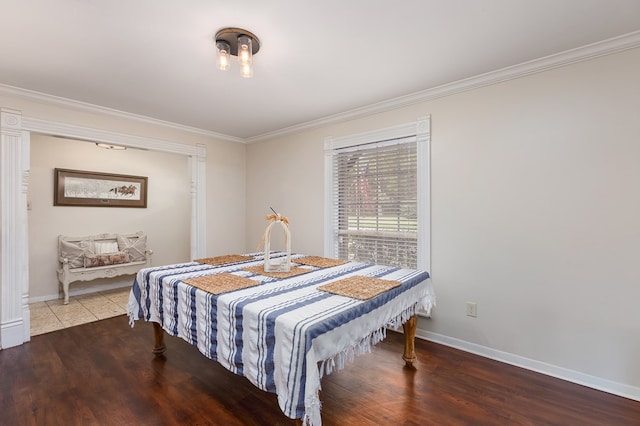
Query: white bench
(100,256)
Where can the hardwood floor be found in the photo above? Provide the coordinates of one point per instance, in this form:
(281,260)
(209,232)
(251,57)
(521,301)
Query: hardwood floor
(104,373)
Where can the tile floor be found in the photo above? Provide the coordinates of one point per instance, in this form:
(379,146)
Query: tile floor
(54,315)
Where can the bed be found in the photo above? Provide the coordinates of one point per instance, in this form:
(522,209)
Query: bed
(283,332)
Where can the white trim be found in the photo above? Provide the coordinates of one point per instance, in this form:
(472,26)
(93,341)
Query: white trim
(46,99)
(423,136)
(421,130)
(609,386)
(12,333)
(328,244)
(73,131)
(394,132)
(584,53)
(25,148)
(13,223)
(198,168)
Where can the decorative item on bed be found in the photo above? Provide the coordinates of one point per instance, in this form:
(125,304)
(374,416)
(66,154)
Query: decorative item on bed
(277,264)
(281,332)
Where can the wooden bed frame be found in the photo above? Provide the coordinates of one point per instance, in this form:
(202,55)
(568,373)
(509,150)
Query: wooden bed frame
(409,354)
(356,318)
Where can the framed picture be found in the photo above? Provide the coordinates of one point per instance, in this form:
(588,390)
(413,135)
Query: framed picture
(95,189)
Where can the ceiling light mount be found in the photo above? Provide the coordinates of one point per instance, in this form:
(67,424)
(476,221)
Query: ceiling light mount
(236,42)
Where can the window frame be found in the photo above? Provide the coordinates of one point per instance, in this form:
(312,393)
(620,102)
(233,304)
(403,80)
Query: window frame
(421,131)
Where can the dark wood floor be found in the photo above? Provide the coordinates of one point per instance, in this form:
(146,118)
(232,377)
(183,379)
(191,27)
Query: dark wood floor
(103,373)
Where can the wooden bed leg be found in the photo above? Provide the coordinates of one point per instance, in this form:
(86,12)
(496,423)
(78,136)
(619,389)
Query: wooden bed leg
(158,337)
(409,355)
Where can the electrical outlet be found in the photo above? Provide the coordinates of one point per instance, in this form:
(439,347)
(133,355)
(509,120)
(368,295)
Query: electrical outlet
(472,309)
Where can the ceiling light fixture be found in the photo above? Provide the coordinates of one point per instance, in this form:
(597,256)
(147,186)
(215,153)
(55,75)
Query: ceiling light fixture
(110,146)
(240,43)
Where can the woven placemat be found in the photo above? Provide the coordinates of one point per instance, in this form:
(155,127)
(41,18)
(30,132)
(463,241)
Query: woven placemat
(221,260)
(220,283)
(319,262)
(292,273)
(359,287)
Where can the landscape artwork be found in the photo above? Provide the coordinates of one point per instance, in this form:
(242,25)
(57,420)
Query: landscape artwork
(98,189)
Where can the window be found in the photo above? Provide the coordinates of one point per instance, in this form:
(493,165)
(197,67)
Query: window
(376,194)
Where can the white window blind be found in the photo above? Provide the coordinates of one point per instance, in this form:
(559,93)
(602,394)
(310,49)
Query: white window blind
(375,202)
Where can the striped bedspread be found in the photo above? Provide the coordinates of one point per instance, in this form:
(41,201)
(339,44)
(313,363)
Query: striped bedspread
(282,335)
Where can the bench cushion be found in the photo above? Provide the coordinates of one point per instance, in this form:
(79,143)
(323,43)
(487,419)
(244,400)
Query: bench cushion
(105,246)
(75,252)
(136,247)
(93,260)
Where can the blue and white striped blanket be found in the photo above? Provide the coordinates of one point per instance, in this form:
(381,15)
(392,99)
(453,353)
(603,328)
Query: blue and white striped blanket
(284,334)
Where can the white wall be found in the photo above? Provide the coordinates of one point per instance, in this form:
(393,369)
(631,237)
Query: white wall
(226,196)
(287,175)
(535,208)
(165,220)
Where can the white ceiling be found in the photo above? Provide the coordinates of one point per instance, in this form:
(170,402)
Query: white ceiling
(156,58)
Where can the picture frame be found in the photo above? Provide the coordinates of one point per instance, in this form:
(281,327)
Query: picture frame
(96,189)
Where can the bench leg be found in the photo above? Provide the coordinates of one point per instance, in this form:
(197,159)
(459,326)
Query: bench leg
(65,288)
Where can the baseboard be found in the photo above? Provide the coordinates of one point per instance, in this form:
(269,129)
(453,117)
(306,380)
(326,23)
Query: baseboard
(11,334)
(83,290)
(615,388)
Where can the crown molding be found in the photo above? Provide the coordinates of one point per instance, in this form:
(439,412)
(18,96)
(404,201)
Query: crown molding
(43,98)
(584,53)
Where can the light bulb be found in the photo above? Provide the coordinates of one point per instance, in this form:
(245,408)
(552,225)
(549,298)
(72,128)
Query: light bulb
(244,49)
(246,70)
(223,61)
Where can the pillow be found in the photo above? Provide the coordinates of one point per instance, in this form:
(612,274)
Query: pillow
(105,246)
(136,247)
(93,260)
(75,252)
